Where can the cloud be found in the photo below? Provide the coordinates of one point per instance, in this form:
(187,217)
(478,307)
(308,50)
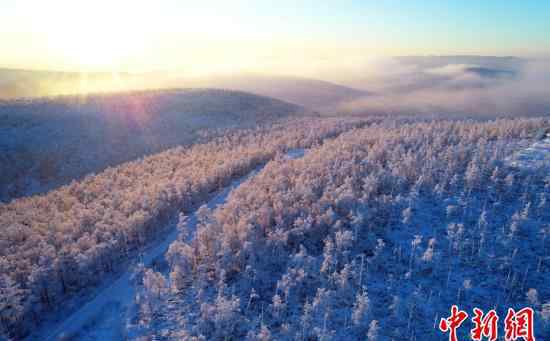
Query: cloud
(460,89)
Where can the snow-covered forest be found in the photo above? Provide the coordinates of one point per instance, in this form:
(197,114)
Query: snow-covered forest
(56,245)
(342,229)
(372,235)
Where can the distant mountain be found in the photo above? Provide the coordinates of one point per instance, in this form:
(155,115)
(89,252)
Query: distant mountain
(48,142)
(310,93)
(16,83)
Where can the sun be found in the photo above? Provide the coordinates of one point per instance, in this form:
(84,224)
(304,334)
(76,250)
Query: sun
(104,36)
(91,48)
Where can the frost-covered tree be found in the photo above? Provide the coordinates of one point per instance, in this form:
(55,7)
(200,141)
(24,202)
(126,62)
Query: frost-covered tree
(360,310)
(374,329)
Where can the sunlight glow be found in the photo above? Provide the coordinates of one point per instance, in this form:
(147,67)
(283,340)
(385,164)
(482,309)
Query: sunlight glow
(286,37)
(99,36)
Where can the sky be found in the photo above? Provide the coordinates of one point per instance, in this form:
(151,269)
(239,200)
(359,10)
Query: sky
(285,36)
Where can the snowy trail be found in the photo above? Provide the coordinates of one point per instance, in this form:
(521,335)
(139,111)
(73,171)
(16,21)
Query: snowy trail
(103,317)
(538,155)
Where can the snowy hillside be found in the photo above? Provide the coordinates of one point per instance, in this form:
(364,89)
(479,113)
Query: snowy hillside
(63,244)
(373,235)
(305,229)
(310,93)
(48,142)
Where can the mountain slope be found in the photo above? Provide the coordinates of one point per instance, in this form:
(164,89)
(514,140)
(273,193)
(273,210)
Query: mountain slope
(310,93)
(48,142)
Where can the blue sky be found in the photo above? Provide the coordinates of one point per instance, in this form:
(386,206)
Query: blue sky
(507,24)
(147,34)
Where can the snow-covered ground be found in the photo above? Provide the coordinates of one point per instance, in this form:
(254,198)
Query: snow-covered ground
(295,154)
(537,155)
(104,317)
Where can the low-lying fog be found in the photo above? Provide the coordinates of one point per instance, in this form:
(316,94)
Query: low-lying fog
(442,85)
(454,85)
